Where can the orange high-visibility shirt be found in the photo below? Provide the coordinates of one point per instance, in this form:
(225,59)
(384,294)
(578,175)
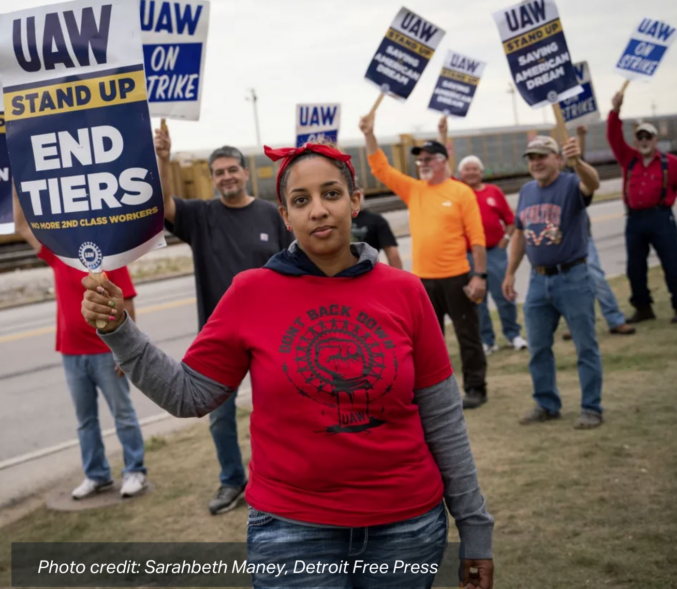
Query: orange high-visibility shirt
(440,219)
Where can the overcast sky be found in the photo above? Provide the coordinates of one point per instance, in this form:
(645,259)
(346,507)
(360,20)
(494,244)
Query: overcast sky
(294,51)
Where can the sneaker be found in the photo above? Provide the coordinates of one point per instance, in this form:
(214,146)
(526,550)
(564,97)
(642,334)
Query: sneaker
(134,484)
(226,498)
(90,487)
(474,399)
(588,420)
(519,343)
(624,329)
(642,314)
(538,415)
(489,350)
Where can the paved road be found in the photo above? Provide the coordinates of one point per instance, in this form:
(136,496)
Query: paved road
(36,409)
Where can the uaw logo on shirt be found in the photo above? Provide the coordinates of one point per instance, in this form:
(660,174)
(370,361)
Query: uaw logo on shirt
(344,361)
(90,255)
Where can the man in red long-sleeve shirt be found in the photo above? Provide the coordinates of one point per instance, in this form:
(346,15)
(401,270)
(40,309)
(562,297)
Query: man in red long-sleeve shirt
(649,191)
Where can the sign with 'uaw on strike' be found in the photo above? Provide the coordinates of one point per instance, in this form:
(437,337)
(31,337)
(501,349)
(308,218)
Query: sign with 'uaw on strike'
(403,54)
(317,123)
(78,130)
(456,85)
(174,35)
(537,52)
(645,50)
(582,108)
(6,213)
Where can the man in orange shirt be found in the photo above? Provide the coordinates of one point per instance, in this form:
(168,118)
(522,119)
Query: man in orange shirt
(442,214)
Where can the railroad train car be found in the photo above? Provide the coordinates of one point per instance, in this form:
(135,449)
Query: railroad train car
(499,148)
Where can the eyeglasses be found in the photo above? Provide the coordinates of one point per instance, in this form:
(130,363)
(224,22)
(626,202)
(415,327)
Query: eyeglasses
(641,136)
(424,161)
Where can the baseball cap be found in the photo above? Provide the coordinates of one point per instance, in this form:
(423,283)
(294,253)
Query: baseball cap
(542,145)
(648,128)
(431,147)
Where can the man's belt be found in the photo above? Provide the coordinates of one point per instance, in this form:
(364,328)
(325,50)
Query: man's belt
(559,268)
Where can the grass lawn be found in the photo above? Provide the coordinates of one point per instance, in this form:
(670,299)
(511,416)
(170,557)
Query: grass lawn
(572,508)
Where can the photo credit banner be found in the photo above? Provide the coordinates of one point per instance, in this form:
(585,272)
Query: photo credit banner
(534,43)
(456,85)
(403,54)
(78,131)
(647,46)
(174,36)
(6,213)
(317,123)
(582,108)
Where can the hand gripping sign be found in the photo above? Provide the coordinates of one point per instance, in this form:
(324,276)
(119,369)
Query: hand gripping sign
(317,123)
(456,85)
(78,131)
(403,54)
(582,108)
(6,213)
(647,46)
(537,52)
(174,36)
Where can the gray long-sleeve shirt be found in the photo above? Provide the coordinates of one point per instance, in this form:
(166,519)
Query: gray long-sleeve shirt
(183,392)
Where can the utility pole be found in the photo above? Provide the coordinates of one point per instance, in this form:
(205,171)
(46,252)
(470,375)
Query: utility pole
(653,108)
(513,92)
(254,99)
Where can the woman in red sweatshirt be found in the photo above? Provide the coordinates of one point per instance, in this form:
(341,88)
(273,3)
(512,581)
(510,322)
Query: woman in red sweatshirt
(357,431)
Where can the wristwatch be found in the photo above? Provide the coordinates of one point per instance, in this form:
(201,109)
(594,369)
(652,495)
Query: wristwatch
(482,275)
(506,237)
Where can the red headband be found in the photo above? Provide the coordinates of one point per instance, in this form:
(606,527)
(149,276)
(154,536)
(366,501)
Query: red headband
(289,154)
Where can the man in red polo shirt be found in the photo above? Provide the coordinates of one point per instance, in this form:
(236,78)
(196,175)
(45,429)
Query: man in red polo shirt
(89,366)
(649,190)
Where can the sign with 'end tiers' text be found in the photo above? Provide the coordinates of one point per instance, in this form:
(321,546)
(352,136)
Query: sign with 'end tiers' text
(78,130)
(403,54)
(174,35)
(537,52)
(6,214)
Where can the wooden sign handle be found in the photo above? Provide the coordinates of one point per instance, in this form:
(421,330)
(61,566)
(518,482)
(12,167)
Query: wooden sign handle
(163,124)
(624,87)
(561,130)
(99,277)
(378,102)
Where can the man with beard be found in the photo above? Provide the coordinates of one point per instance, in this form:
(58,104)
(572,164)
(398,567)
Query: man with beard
(443,214)
(649,190)
(227,235)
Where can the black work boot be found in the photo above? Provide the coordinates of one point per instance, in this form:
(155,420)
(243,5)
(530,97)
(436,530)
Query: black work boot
(474,398)
(642,314)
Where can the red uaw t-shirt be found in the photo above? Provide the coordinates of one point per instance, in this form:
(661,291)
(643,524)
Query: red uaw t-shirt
(74,336)
(336,436)
(496,213)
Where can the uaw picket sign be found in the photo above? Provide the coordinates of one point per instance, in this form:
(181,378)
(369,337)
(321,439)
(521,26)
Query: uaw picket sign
(457,84)
(645,50)
(78,130)
(6,214)
(582,108)
(537,52)
(403,54)
(174,35)
(317,123)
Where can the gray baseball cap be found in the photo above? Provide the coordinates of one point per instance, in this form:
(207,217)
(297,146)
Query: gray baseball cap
(542,145)
(647,128)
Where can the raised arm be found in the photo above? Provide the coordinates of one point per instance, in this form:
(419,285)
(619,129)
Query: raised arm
(614,133)
(163,148)
(21,225)
(586,173)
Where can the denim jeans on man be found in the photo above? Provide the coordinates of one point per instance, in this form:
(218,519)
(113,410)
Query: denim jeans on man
(607,300)
(84,374)
(651,227)
(223,427)
(569,294)
(497,264)
(419,540)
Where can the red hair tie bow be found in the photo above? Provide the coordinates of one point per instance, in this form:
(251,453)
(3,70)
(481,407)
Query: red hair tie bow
(289,154)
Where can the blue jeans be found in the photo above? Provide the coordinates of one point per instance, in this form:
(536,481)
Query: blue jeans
(84,374)
(497,264)
(605,296)
(421,539)
(569,294)
(223,427)
(651,227)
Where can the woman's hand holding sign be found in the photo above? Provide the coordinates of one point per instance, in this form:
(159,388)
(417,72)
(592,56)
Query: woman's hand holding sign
(103,303)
